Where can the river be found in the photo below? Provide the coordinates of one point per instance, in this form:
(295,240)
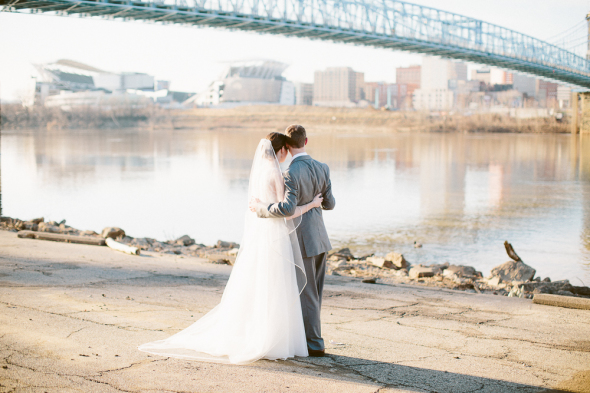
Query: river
(460,195)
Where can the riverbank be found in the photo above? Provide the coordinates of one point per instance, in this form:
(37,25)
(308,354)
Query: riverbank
(268,118)
(73,315)
(359,120)
(513,278)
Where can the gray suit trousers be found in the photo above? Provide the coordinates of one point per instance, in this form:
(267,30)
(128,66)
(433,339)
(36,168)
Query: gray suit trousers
(311,300)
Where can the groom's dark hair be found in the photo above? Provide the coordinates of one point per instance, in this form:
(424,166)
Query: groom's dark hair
(296,134)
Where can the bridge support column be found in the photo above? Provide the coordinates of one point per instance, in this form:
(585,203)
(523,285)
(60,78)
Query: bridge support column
(574,105)
(585,120)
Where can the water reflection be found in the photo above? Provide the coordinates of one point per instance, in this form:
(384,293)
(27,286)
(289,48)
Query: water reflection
(461,195)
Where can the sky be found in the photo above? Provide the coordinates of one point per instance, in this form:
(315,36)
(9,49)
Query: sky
(191,58)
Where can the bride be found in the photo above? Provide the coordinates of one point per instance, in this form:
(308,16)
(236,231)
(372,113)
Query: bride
(259,315)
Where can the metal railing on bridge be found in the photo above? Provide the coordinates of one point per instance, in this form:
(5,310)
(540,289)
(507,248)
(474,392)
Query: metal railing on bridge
(379,23)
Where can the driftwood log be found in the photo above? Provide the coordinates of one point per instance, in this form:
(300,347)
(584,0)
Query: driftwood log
(511,253)
(121,247)
(58,237)
(562,301)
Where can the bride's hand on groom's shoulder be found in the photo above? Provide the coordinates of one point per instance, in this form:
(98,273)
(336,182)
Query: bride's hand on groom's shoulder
(252,204)
(317,201)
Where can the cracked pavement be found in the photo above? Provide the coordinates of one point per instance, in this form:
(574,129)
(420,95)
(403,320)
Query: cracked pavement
(73,315)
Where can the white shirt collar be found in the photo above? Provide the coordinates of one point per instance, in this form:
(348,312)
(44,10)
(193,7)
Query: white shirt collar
(299,155)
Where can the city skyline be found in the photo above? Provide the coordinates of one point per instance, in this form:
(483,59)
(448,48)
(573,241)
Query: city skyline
(191,58)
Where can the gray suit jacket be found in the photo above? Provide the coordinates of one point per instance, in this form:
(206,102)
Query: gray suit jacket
(304,179)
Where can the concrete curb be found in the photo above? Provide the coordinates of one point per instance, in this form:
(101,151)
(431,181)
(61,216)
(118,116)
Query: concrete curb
(562,301)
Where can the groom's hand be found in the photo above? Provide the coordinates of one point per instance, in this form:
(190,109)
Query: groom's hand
(252,204)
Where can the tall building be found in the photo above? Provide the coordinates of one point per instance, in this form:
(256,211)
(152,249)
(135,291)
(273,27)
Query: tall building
(405,95)
(381,94)
(250,82)
(407,81)
(564,95)
(337,86)
(525,84)
(546,93)
(434,99)
(360,87)
(408,75)
(436,77)
(492,76)
(303,93)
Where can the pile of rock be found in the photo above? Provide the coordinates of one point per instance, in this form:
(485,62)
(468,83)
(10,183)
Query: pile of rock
(513,278)
(223,252)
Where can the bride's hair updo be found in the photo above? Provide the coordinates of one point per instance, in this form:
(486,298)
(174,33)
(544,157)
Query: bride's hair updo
(277,140)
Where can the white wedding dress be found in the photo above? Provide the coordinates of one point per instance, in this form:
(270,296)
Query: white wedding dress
(259,315)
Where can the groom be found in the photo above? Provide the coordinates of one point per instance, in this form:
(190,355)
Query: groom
(304,179)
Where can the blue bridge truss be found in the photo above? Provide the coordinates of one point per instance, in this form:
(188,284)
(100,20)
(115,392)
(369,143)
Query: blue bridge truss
(388,24)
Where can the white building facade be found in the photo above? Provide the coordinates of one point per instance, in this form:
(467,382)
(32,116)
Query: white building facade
(436,77)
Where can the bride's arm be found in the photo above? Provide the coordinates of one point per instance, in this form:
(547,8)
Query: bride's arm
(301,210)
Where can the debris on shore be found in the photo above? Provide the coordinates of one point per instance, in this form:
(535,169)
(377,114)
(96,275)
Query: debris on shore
(223,252)
(513,278)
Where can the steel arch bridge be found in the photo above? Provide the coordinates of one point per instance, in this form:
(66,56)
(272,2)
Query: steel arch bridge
(388,24)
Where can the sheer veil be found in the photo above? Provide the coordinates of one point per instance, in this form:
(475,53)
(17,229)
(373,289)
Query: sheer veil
(259,315)
(266,184)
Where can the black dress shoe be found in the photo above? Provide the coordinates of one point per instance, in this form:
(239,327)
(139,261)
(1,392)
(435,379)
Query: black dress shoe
(316,353)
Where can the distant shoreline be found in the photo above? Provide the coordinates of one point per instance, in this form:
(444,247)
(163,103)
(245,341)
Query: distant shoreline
(275,118)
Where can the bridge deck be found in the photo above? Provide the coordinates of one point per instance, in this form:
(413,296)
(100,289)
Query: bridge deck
(388,24)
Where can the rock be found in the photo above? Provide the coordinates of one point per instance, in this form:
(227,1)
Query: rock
(233,252)
(19,225)
(380,262)
(141,243)
(37,220)
(460,271)
(369,280)
(31,226)
(420,271)
(417,245)
(514,271)
(47,227)
(88,233)
(53,223)
(494,281)
(185,240)
(401,273)
(564,293)
(126,240)
(364,257)
(398,260)
(551,287)
(441,266)
(344,253)
(336,258)
(342,266)
(537,279)
(224,244)
(112,232)
(546,279)
(584,291)
(196,247)
(542,289)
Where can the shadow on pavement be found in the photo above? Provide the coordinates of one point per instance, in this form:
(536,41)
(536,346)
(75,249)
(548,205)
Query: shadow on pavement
(414,379)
